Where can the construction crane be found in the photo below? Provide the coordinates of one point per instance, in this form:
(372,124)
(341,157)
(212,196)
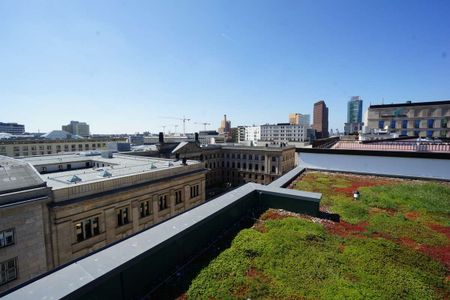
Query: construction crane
(184,119)
(204,124)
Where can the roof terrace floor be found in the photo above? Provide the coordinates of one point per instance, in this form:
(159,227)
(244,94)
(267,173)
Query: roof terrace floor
(392,242)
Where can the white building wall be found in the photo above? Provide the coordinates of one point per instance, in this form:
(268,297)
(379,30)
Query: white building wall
(253,133)
(283,133)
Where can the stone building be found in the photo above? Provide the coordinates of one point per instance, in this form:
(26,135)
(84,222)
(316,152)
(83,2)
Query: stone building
(424,119)
(24,231)
(92,201)
(33,147)
(232,164)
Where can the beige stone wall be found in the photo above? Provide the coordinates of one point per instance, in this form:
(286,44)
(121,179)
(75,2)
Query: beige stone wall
(65,216)
(25,148)
(28,222)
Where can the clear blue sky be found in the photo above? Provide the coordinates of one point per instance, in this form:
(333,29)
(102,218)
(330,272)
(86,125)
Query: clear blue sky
(122,65)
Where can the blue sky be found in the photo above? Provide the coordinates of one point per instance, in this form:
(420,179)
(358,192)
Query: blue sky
(123,65)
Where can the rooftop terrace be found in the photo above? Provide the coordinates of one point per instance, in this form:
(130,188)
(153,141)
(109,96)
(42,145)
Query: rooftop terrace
(391,243)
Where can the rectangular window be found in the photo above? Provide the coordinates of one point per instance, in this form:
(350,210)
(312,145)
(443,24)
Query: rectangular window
(444,123)
(144,209)
(122,216)
(273,169)
(405,124)
(430,123)
(381,124)
(194,191)
(393,123)
(162,202)
(416,123)
(6,237)
(87,228)
(429,133)
(8,270)
(404,132)
(178,198)
(256,167)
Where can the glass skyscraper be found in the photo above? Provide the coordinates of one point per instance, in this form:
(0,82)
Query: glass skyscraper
(354,115)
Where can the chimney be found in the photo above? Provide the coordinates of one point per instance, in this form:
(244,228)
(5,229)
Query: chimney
(196,137)
(161,138)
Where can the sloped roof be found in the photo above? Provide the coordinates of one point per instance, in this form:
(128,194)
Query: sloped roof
(60,135)
(17,175)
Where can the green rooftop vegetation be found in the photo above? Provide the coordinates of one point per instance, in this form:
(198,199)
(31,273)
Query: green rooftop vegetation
(391,243)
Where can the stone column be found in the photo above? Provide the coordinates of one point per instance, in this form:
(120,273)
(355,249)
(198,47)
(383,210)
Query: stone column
(110,225)
(172,202)
(135,215)
(155,208)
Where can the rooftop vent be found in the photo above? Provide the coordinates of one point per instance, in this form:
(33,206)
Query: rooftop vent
(152,166)
(170,164)
(74,179)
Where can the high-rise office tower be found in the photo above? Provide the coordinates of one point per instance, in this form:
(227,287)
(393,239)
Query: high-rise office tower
(354,115)
(320,122)
(300,119)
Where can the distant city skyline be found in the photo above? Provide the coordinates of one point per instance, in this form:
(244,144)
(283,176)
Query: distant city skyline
(122,67)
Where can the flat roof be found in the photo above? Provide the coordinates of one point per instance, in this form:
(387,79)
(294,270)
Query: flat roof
(117,166)
(17,175)
(444,102)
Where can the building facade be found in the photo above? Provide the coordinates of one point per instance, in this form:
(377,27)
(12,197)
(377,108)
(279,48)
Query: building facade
(24,232)
(283,133)
(423,119)
(252,133)
(320,122)
(232,164)
(75,204)
(32,147)
(12,128)
(300,119)
(77,128)
(354,115)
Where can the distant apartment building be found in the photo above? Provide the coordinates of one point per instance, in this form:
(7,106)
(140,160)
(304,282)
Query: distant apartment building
(61,207)
(320,119)
(32,147)
(240,133)
(77,128)
(300,119)
(283,133)
(253,133)
(424,119)
(12,128)
(354,115)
